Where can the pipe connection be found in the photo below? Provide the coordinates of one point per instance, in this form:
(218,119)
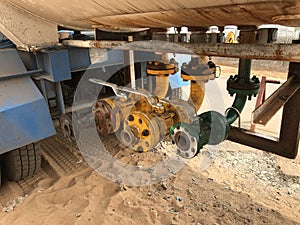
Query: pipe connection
(212,127)
(198,72)
(161,69)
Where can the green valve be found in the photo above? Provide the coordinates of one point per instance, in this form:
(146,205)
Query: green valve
(210,128)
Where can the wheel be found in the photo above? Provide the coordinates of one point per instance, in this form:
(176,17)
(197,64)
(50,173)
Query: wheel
(67,126)
(23,162)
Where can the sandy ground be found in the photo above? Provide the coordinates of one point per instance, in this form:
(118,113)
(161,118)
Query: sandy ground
(229,184)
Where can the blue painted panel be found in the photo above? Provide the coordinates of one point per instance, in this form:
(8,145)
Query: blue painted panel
(57,65)
(79,58)
(10,63)
(115,57)
(24,115)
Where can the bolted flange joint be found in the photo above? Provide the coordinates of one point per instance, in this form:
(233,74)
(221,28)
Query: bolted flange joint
(241,86)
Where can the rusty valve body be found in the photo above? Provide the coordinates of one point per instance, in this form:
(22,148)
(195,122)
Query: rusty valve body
(141,119)
(138,124)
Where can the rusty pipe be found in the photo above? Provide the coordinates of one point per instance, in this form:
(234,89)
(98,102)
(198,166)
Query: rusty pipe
(197,94)
(162,82)
(161,87)
(161,68)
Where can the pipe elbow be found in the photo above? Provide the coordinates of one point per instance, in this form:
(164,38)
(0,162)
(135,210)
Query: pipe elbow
(197,94)
(162,86)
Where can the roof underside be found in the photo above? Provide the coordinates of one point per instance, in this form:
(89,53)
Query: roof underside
(116,14)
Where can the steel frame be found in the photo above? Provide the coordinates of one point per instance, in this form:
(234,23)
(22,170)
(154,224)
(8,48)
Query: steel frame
(279,52)
(261,97)
(288,142)
(270,107)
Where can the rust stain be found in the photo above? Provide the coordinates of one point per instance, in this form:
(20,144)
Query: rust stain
(279,53)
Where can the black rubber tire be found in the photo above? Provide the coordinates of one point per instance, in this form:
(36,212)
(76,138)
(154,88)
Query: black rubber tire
(23,162)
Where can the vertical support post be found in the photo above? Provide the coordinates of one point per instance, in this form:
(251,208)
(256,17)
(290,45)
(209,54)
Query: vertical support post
(290,125)
(131,65)
(130,68)
(288,143)
(44,90)
(60,98)
(260,98)
(143,74)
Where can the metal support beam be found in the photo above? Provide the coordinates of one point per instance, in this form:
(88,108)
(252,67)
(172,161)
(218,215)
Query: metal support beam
(131,65)
(261,97)
(280,52)
(44,90)
(60,98)
(130,68)
(270,107)
(290,125)
(32,73)
(288,143)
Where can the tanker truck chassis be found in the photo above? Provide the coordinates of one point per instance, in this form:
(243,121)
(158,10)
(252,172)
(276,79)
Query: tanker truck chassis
(39,74)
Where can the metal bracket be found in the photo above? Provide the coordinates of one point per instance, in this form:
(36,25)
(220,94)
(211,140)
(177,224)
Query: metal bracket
(288,142)
(270,107)
(280,52)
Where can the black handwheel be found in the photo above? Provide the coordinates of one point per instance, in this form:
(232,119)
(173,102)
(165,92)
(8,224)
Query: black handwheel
(23,162)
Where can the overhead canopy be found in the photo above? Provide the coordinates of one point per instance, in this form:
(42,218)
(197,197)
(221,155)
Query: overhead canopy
(162,13)
(34,22)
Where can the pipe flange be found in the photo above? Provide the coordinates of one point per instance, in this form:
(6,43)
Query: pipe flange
(161,68)
(140,132)
(237,85)
(196,71)
(184,144)
(128,137)
(103,116)
(67,126)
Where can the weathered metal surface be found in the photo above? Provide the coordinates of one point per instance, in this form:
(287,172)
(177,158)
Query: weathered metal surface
(162,13)
(260,98)
(24,29)
(79,59)
(280,52)
(270,107)
(24,115)
(10,55)
(94,44)
(290,124)
(32,73)
(288,142)
(56,64)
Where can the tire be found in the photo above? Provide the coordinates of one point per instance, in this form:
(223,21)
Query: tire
(22,163)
